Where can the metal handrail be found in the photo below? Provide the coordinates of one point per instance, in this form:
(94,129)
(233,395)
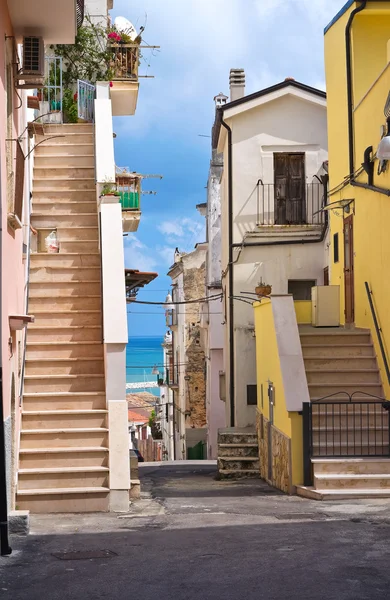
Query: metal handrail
(377,329)
(276,208)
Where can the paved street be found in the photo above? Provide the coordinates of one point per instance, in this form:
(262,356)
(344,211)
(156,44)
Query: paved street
(193,537)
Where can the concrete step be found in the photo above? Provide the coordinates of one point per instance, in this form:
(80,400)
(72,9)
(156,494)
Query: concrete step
(64,401)
(64,349)
(66,128)
(238,473)
(340,419)
(54,160)
(65,149)
(59,220)
(240,450)
(238,463)
(68,419)
(351,466)
(320,390)
(68,333)
(57,196)
(343,376)
(61,366)
(70,207)
(82,246)
(63,172)
(41,259)
(41,184)
(340,363)
(350,494)
(78,302)
(361,436)
(65,138)
(340,351)
(237,438)
(77,233)
(62,457)
(64,500)
(64,274)
(56,289)
(337,481)
(336,339)
(63,438)
(67,318)
(90,382)
(62,477)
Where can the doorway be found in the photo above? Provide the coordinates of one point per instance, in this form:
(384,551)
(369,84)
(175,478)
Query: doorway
(290,196)
(349,271)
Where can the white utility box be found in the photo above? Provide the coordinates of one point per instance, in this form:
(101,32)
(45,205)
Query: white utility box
(325,306)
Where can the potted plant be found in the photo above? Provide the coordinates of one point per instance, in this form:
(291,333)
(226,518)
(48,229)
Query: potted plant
(109,189)
(263,289)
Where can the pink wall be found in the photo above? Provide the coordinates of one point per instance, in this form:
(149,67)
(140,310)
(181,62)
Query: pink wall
(12,267)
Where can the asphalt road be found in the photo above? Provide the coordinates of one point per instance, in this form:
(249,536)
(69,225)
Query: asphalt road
(192,537)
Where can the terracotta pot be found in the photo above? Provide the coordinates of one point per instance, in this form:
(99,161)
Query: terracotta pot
(263,290)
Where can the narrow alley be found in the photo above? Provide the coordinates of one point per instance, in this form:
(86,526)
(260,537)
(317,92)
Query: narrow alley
(192,536)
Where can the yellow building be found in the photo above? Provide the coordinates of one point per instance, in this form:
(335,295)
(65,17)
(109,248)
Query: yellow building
(333,435)
(357,57)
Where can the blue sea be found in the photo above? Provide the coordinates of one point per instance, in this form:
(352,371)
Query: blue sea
(142,354)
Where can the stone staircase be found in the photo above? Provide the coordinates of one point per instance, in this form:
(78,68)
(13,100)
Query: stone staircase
(63,456)
(238,453)
(337,361)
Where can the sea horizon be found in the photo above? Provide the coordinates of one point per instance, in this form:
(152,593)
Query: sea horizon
(143,354)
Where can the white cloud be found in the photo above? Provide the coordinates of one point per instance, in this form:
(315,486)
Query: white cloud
(184,232)
(138,255)
(166,254)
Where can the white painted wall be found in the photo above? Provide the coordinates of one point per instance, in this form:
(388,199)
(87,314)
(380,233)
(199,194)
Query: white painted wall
(104,141)
(288,123)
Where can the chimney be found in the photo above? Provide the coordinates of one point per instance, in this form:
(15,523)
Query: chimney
(237,84)
(220,100)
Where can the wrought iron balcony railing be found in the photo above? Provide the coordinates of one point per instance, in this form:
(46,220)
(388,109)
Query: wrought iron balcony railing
(296,204)
(80,8)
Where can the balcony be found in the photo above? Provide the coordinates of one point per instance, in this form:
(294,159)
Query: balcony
(134,280)
(123,74)
(129,188)
(290,210)
(54,21)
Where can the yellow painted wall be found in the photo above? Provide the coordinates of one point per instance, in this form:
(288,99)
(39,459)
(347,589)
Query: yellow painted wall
(303,311)
(371,210)
(268,369)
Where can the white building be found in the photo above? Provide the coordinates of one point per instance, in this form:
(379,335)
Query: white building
(212,312)
(187,375)
(274,146)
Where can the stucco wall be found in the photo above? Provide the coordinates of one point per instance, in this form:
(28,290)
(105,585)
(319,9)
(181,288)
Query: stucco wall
(288,123)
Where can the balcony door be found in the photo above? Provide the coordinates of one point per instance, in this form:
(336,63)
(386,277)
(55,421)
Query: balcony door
(289,180)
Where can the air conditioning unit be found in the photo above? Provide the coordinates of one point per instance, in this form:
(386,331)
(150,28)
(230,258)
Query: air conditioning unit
(33,57)
(32,73)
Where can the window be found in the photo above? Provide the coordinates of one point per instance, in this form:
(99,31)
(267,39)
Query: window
(251,395)
(336,248)
(301,288)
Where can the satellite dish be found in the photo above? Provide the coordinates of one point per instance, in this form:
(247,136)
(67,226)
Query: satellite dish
(124,25)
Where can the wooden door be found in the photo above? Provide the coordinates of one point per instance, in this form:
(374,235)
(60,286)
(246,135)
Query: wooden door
(290,200)
(349,270)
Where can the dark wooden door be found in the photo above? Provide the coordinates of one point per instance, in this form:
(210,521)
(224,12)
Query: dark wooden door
(349,270)
(290,200)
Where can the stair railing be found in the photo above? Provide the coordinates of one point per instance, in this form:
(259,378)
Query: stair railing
(377,329)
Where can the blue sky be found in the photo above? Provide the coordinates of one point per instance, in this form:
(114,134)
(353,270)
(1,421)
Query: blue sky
(201,40)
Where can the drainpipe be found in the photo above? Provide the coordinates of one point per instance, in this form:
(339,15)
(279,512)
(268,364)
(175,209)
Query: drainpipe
(351,141)
(231,275)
